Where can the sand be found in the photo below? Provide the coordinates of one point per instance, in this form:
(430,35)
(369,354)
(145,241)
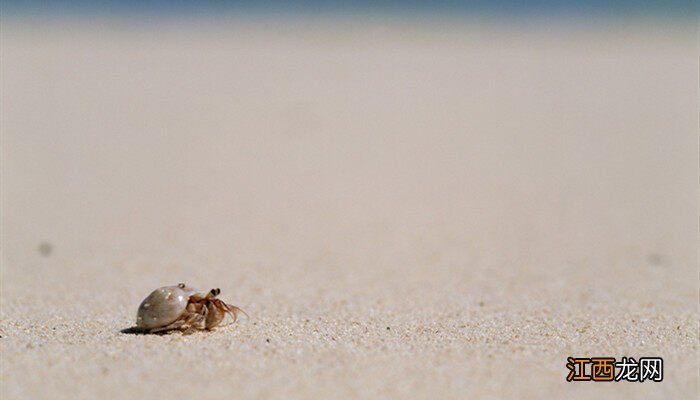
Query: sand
(405,208)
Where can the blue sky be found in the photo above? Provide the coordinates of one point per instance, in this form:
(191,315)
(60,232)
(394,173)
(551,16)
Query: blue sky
(512,7)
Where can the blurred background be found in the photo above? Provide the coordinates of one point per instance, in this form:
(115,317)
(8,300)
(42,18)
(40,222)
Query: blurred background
(319,156)
(443,136)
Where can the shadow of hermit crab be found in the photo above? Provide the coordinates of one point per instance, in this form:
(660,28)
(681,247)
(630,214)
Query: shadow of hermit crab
(182,308)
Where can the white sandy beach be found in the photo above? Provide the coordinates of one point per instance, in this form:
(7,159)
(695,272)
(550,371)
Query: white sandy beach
(407,209)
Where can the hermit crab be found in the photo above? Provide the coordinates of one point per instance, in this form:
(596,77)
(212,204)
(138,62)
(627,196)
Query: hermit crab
(183,308)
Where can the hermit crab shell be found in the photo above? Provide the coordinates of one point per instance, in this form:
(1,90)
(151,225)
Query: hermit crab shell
(164,306)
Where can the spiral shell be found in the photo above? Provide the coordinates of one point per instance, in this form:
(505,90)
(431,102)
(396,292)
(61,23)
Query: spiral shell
(164,306)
